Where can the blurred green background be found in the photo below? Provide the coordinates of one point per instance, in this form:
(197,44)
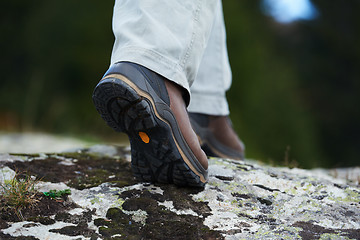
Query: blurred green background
(295,92)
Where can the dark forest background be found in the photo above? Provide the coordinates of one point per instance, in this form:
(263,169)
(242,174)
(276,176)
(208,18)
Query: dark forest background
(295,92)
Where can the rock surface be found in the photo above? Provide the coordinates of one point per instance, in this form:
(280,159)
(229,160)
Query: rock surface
(242,200)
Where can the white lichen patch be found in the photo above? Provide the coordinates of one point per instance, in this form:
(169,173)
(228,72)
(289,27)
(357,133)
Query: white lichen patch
(224,210)
(256,178)
(140,186)
(222,221)
(221,170)
(38,230)
(64,160)
(138,216)
(103,197)
(99,198)
(47,186)
(169,205)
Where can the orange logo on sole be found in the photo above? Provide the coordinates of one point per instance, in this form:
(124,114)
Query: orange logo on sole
(144,137)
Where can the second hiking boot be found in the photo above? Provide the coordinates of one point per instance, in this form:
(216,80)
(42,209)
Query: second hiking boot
(217,137)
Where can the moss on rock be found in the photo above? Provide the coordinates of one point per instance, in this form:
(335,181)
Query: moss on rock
(243,200)
(78,170)
(161,223)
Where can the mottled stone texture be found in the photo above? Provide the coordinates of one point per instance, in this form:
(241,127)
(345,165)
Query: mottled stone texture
(242,200)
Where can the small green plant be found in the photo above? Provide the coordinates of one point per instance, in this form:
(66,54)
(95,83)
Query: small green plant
(18,193)
(57,194)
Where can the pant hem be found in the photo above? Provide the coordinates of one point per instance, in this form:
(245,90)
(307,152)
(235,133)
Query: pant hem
(209,104)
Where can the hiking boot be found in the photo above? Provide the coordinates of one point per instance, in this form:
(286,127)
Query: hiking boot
(217,136)
(152,112)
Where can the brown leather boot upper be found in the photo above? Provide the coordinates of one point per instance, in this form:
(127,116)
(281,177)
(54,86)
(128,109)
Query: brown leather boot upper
(178,107)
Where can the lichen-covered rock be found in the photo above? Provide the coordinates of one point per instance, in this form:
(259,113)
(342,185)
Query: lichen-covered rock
(242,200)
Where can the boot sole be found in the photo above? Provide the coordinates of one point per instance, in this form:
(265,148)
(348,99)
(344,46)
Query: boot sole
(156,142)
